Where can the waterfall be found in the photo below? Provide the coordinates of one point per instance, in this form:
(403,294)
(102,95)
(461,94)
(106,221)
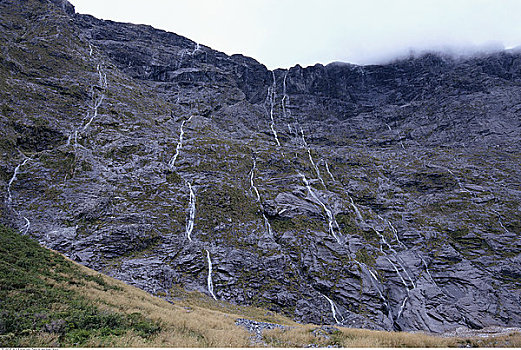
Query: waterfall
(311,158)
(271,98)
(197,48)
(355,208)
(258,198)
(90,49)
(500,221)
(13,179)
(209,279)
(334,309)
(407,273)
(375,284)
(96,100)
(284,97)
(395,232)
(97,103)
(399,274)
(179,143)
(191,219)
(332,224)
(402,307)
(26,227)
(382,238)
(329,172)
(462,189)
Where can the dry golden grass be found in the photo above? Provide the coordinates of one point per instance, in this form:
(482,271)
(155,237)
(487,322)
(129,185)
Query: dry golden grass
(198,321)
(350,337)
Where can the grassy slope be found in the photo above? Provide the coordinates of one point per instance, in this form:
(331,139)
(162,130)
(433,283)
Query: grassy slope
(48,300)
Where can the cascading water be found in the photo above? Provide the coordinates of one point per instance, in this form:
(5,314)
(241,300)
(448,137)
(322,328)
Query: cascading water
(26,227)
(271,100)
(191,218)
(285,97)
(398,273)
(311,158)
(332,224)
(13,179)
(209,279)
(329,172)
(96,100)
(355,208)
(402,307)
(179,143)
(376,284)
(500,221)
(382,238)
(395,232)
(258,198)
(197,48)
(334,310)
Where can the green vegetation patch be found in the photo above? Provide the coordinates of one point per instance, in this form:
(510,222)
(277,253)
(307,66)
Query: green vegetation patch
(37,300)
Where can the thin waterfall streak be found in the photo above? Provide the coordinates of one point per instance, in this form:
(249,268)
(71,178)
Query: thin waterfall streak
(402,307)
(355,208)
(191,218)
(90,49)
(267,224)
(331,220)
(26,227)
(399,274)
(407,273)
(333,309)
(97,103)
(271,99)
(329,172)
(382,238)
(319,176)
(284,96)
(374,279)
(179,143)
(197,48)
(500,221)
(395,232)
(13,179)
(100,75)
(99,100)
(316,168)
(209,279)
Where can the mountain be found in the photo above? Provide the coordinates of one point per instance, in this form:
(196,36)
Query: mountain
(50,301)
(384,197)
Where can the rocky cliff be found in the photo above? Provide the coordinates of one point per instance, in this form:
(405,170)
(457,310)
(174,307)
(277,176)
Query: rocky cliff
(385,197)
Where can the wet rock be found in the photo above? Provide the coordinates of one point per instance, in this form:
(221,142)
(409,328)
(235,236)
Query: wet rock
(417,161)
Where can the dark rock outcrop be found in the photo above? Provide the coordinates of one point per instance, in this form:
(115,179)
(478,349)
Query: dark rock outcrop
(385,197)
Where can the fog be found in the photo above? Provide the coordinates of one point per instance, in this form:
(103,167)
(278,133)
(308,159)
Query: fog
(283,33)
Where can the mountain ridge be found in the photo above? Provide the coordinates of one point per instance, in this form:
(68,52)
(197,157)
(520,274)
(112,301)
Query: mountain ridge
(320,192)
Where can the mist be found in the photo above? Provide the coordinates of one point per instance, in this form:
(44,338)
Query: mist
(281,34)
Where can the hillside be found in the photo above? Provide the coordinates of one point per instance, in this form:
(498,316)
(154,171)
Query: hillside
(50,301)
(380,197)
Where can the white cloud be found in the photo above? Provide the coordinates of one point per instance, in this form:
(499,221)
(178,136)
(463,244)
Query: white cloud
(286,32)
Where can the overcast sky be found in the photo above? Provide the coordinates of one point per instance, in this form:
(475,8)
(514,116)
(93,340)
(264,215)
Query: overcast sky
(282,33)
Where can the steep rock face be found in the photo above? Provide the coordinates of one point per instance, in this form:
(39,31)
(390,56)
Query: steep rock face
(385,197)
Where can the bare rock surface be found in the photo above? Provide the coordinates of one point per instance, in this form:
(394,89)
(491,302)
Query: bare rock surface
(384,197)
